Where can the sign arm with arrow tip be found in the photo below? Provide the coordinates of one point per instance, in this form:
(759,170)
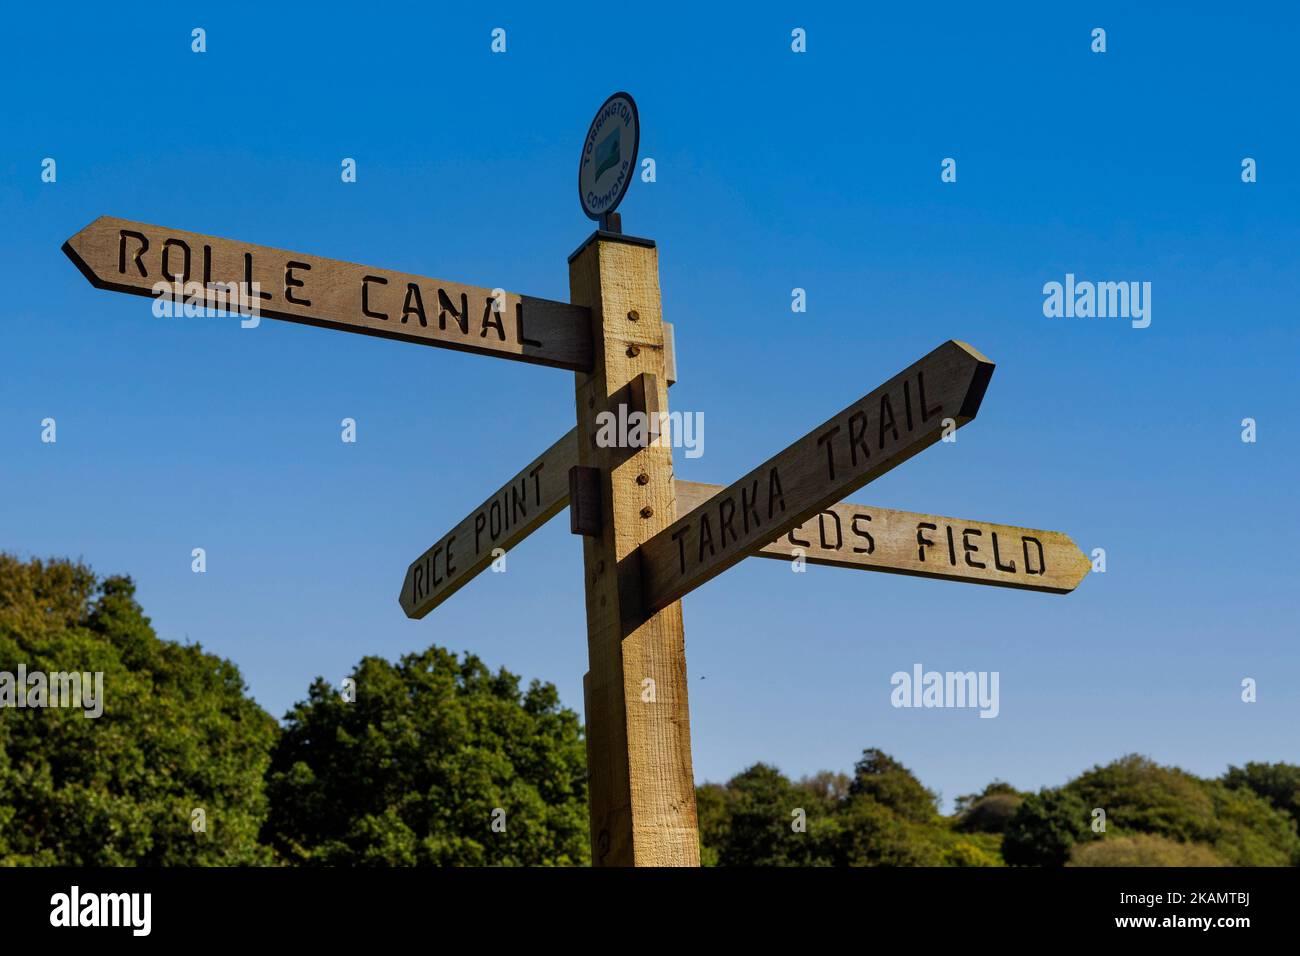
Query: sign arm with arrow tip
(873,435)
(867,538)
(155,261)
(525,503)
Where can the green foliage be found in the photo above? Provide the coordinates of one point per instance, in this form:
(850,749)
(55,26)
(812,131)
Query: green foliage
(1278,783)
(990,811)
(714,821)
(413,772)
(880,817)
(435,749)
(177,733)
(883,816)
(1045,828)
(1143,849)
(751,821)
(967,854)
(1247,831)
(997,788)
(830,788)
(882,778)
(1142,797)
(992,814)
(870,834)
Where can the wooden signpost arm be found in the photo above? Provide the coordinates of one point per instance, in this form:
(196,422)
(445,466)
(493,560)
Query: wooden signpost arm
(867,538)
(229,276)
(526,502)
(642,788)
(939,393)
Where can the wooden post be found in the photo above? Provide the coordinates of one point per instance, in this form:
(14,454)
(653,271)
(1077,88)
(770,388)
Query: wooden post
(641,784)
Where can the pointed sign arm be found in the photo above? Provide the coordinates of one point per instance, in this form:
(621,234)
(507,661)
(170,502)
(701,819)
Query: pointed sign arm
(878,432)
(867,538)
(525,503)
(238,277)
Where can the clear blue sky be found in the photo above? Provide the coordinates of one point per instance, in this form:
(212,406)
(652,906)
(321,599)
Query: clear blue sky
(775,170)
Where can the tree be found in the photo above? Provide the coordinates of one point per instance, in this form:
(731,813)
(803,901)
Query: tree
(437,761)
(1140,796)
(1278,783)
(177,734)
(967,854)
(992,814)
(889,783)
(1045,829)
(829,788)
(989,811)
(1247,831)
(760,809)
(868,833)
(997,788)
(713,817)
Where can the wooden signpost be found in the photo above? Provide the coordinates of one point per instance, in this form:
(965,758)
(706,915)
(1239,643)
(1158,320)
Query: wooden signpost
(648,539)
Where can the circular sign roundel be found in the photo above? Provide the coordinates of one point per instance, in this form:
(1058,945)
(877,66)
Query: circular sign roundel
(608,156)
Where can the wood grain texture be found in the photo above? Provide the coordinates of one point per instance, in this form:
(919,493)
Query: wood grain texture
(670,354)
(643,398)
(868,538)
(525,503)
(642,788)
(134,257)
(873,435)
(584,501)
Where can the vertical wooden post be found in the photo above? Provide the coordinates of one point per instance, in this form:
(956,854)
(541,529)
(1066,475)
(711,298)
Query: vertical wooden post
(641,784)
